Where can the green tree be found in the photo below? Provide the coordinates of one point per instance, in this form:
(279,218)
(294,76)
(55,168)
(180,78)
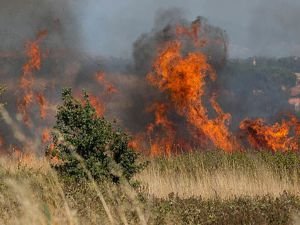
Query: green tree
(83,142)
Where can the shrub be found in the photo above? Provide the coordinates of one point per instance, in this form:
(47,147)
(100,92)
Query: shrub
(83,141)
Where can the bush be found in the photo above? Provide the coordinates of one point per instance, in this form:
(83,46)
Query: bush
(85,143)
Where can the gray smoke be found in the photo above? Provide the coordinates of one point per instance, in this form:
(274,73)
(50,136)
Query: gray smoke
(20,20)
(256,27)
(275,29)
(83,35)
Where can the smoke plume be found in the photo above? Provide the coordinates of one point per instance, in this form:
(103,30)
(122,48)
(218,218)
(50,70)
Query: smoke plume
(44,50)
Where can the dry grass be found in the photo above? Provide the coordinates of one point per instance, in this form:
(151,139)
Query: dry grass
(31,193)
(224,183)
(190,176)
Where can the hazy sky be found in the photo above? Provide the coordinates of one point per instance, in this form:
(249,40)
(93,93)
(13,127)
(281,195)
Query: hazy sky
(109,27)
(256,27)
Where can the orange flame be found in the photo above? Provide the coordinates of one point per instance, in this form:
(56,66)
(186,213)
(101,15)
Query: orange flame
(43,105)
(34,56)
(183,79)
(97,104)
(164,143)
(192,32)
(109,88)
(46,136)
(278,137)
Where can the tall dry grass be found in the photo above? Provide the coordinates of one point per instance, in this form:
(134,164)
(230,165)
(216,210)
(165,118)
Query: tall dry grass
(219,176)
(31,193)
(223,183)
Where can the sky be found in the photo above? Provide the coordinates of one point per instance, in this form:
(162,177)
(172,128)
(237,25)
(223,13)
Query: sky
(110,27)
(256,27)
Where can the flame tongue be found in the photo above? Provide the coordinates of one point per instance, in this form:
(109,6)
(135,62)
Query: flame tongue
(183,111)
(34,56)
(166,142)
(183,79)
(278,137)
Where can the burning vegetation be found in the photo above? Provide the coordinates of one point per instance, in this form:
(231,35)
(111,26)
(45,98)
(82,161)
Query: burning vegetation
(183,80)
(278,137)
(34,56)
(169,100)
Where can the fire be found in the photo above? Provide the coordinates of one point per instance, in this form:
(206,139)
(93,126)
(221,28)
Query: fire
(109,88)
(183,79)
(165,143)
(192,32)
(185,114)
(278,137)
(34,55)
(97,104)
(136,142)
(43,105)
(19,155)
(46,136)
(24,104)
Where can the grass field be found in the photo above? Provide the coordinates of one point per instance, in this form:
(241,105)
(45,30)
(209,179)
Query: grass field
(196,188)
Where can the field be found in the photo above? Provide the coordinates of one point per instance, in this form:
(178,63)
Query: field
(149,112)
(195,188)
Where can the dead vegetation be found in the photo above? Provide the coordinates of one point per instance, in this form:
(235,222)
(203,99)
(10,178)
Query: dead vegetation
(198,188)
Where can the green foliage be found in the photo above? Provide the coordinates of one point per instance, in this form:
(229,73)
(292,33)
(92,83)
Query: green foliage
(87,144)
(241,210)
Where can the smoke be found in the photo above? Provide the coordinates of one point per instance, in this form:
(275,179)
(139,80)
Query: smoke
(20,21)
(254,27)
(82,37)
(261,28)
(274,28)
(146,48)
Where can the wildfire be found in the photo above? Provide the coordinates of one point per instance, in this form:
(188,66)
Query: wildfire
(109,88)
(34,55)
(97,104)
(42,101)
(46,136)
(166,142)
(278,137)
(183,79)
(185,113)
(192,32)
